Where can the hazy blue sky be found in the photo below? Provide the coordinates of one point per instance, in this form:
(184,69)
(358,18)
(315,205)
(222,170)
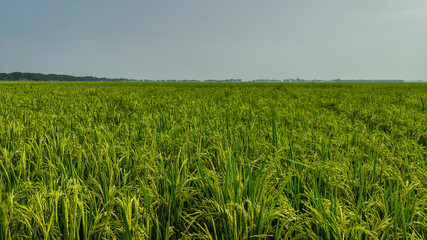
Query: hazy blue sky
(196,39)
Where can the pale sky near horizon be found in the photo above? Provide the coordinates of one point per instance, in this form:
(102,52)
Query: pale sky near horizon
(196,39)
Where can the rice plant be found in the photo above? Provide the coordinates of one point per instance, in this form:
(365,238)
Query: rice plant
(213,161)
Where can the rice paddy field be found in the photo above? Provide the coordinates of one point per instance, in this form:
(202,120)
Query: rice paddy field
(213,161)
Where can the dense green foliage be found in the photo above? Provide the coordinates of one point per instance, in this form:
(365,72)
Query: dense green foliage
(213,161)
(21,76)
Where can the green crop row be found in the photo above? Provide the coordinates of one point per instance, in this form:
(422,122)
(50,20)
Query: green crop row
(213,161)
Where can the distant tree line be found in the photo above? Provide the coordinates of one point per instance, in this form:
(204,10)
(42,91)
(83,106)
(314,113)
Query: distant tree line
(20,76)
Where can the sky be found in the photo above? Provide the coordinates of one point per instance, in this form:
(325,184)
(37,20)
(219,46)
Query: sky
(221,39)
